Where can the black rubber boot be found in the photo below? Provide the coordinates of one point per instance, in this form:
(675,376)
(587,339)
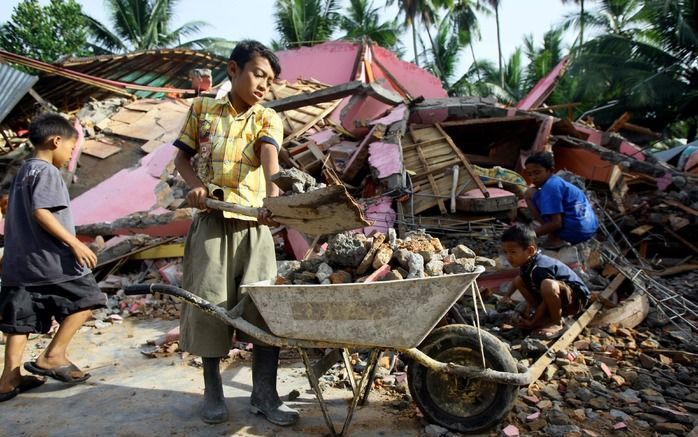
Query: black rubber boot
(265,399)
(213,409)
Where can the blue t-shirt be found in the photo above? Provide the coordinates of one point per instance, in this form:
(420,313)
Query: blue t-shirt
(541,267)
(557,196)
(32,255)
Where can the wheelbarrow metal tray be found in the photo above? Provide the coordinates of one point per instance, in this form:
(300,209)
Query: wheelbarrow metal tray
(389,314)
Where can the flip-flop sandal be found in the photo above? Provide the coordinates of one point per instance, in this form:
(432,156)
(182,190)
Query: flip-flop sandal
(9,394)
(27,383)
(68,373)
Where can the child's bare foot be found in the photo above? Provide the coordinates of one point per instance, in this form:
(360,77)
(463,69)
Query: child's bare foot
(549,332)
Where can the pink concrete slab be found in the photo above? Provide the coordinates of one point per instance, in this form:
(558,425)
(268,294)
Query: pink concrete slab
(128,191)
(417,81)
(494,192)
(330,62)
(536,97)
(384,159)
(395,115)
(382,215)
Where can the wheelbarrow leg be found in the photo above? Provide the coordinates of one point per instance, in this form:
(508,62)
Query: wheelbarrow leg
(350,373)
(313,379)
(371,375)
(364,386)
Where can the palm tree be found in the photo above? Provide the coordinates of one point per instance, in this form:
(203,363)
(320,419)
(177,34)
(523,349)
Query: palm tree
(514,86)
(654,73)
(305,22)
(495,5)
(363,20)
(424,10)
(141,25)
(581,19)
(544,58)
(443,56)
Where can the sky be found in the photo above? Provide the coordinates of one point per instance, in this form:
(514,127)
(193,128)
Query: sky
(240,19)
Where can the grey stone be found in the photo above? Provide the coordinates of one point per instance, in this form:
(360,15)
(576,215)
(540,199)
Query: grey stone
(533,347)
(312,264)
(619,415)
(402,256)
(485,262)
(642,424)
(584,394)
(629,396)
(677,392)
(392,275)
(323,272)
(463,251)
(561,430)
(557,417)
(435,431)
(434,267)
(345,250)
(416,266)
(294,180)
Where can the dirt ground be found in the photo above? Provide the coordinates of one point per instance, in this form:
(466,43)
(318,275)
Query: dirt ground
(131,395)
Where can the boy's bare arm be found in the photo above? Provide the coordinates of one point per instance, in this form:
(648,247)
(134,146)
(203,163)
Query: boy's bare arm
(269,157)
(51,225)
(198,192)
(553,224)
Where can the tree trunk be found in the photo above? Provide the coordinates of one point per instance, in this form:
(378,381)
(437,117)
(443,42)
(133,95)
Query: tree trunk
(581,23)
(437,59)
(499,47)
(477,69)
(414,44)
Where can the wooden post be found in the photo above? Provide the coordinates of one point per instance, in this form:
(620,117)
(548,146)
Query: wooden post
(537,369)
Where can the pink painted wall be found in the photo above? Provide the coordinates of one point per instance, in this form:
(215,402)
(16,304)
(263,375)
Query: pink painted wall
(128,191)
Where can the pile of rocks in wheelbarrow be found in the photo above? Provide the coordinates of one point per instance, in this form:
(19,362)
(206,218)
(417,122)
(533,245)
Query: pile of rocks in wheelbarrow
(381,257)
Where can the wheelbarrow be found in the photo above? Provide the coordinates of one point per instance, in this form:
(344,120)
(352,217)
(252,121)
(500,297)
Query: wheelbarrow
(460,377)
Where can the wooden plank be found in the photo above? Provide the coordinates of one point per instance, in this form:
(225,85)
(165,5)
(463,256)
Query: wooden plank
(536,370)
(98,149)
(312,122)
(491,120)
(463,159)
(174,250)
(126,115)
(432,182)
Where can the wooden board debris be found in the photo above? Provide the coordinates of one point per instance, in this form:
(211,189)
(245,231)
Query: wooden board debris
(99,149)
(429,156)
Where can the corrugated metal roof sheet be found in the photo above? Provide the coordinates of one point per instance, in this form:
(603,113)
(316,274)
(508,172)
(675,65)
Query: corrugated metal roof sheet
(162,68)
(14,84)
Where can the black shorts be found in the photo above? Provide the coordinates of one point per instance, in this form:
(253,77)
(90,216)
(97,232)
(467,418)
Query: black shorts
(28,309)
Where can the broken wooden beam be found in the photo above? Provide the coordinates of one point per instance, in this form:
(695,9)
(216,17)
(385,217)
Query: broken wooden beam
(334,93)
(537,369)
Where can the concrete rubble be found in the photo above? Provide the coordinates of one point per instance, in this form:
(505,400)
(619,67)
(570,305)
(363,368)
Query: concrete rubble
(439,178)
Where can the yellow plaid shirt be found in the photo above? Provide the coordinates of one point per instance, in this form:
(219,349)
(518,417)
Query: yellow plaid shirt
(223,143)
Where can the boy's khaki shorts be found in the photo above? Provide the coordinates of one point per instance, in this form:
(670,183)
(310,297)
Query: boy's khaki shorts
(219,255)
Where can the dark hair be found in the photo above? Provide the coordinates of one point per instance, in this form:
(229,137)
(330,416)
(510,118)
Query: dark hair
(48,125)
(248,48)
(544,159)
(520,234)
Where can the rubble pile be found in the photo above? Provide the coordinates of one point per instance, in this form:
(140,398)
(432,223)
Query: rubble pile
(356,258)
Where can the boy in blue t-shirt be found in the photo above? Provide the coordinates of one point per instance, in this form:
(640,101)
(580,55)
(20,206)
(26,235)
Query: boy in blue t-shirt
(562,209)
(550,288)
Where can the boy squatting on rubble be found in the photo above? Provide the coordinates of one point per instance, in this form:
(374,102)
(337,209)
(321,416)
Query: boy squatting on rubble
(550,288)
(564,212)
(45,269)
(235,142)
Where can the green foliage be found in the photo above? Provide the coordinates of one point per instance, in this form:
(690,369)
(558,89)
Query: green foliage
(46,32)
(145,24)
(363,20)
(305,22)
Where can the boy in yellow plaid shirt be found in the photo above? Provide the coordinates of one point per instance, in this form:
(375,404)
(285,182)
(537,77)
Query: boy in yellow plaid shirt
(228,149)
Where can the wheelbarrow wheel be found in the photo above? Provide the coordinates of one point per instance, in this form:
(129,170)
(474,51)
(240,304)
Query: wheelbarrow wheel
(462,404)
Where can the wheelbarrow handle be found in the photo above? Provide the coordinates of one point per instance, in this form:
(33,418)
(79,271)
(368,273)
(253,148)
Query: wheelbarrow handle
(232,207)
